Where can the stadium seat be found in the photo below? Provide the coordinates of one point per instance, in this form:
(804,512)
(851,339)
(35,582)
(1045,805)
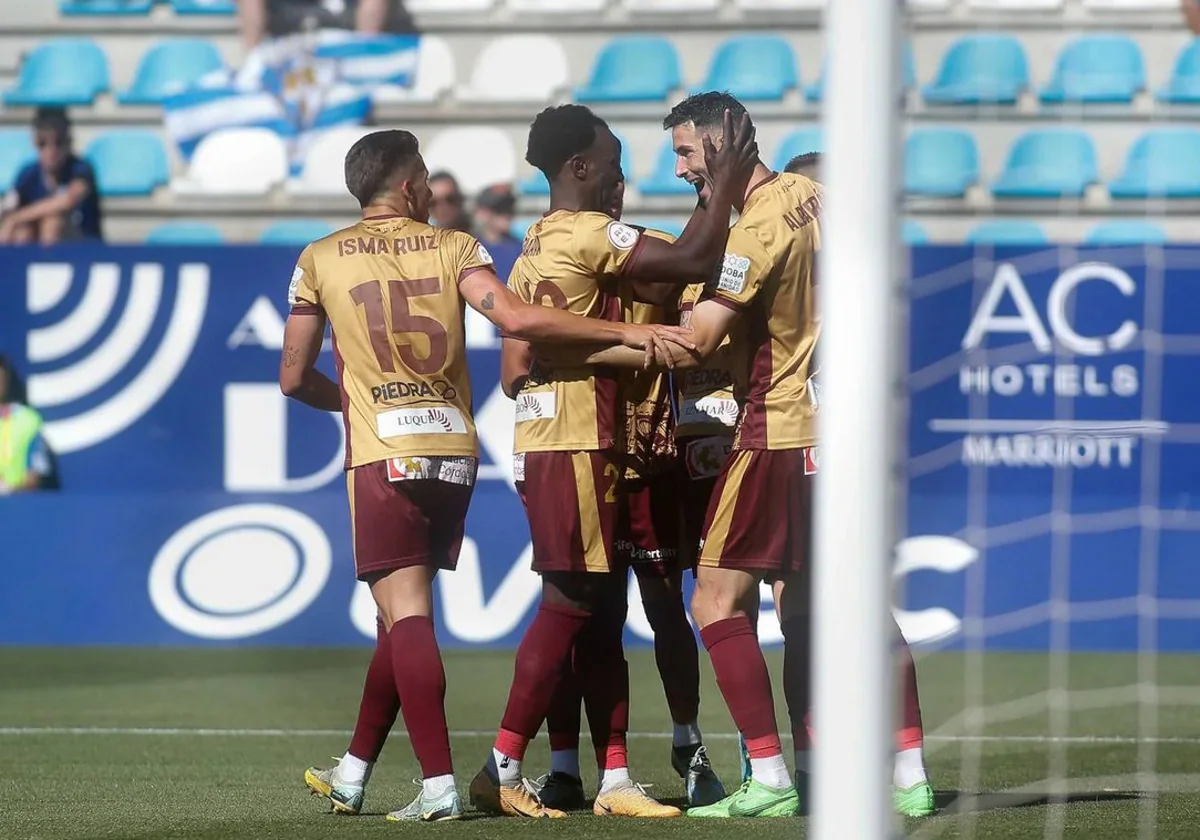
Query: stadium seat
(204,7)
(518,68)
(680,6)
(911,233)
(779,5)
(799,142)
(1016,5)
(105,7)
(536,183)
(928,5)
(295,232)
(435,74)
(666,225)
(236,161)
(815,92)
(1126,232)
(1007,232)
(1097,68)
(128,162)
(170,67)
(980,69)
(754,68)
(639,68)
(477,156)
(662,180)
(324,168)
(1048,163)
(185,233)
(1163,163)
(16,150)
(551,7)
(940,162)
(62,71)
(1131,5)
(448,7)
(1184,84)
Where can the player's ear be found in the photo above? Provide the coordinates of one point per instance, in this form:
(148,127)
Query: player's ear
(579,167)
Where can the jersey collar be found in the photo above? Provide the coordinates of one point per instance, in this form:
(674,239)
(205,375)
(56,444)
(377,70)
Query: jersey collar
(754,189)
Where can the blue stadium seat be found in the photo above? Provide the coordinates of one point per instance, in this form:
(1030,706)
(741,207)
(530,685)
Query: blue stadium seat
(105,7)
(185,233)
(1163,163)
(1007,232)
(940,162)
(662,180)
(815,91)
(16,150)
(204,7)
(799,142)
(536,184)
(1097,68)
(62,71)
(754,68)
(911,233)
(1184,85)
(640,68)
(1126,232)
(170,67)
(980,69)
(1048,163)
(128,162)
(295,232)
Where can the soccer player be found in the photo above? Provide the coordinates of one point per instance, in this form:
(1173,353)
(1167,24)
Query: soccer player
(567,459)
(393,289)
(648,540)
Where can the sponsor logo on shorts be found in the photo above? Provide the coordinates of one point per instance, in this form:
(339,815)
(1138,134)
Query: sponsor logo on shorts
(437,389)
(458,471)
(706,457)
(294,286)
(420,421)
(733,274)
(634,554)
(538,405)
(407,469)
(519,467)
(723,410)
(812,459)
(622,237)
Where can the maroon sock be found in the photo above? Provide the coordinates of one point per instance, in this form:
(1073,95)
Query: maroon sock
(797,676)
(911,733)
(565,715)
(605,683)
(544,652)
(380,702)
(745,684)
(677,657)
(421,684)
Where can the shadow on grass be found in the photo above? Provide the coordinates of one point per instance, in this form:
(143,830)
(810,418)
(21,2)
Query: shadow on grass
(962,802)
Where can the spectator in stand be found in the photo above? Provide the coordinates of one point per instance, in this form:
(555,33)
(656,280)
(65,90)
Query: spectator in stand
(494,211)
(54,198)
(24,459)
(447,209)
(262,19)
(1191,14)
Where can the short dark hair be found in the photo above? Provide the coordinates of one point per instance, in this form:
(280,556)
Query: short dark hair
(52,119)
(559,133)
(805,164)
(375,159)
(704,110)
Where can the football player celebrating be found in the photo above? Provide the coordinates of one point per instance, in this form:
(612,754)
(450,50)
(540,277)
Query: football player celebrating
(393,289)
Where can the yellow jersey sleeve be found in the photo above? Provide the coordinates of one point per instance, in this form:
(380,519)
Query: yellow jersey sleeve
(464,254)
(743,272)
(304,296)
(604,247)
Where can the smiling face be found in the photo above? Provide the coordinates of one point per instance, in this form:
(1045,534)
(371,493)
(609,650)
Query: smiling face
(688,142)
(602,171)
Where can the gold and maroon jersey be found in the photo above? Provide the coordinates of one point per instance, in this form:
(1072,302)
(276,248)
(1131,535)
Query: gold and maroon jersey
(769,274)
(571,261)
(389,287)
(704,395)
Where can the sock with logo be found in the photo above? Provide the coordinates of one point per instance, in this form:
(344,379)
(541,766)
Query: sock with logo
(380,703)
(421,685)
(562,725)
(677,657)
(910,737)
(745,684)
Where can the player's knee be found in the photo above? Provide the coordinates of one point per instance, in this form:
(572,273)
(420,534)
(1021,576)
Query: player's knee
(713,602)
(22,235)
(664,612)
(403,593)
(50,232)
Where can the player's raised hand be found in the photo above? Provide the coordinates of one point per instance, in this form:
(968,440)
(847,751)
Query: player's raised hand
(732,165)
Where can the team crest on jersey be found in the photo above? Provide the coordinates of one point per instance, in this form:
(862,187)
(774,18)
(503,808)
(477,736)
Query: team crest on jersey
(733,274)
(294,286)
(484,256)
(812,460)
(622,236)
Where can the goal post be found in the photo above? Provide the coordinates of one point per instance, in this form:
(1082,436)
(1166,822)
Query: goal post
(860,422)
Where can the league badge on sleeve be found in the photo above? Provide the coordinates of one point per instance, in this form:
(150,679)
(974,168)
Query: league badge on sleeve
(484,256)
(621,236)
(294,286)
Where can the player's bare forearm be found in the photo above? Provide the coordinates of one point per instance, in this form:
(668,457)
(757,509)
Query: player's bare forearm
(299,379)
(317,390)
(516,357)
(693,257)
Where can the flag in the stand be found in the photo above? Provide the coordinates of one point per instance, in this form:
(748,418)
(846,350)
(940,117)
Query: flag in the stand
(298,86)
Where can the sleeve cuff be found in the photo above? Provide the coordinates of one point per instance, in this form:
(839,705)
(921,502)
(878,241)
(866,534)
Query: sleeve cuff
(467,272)
(627,266)
(307,309)
(726,302)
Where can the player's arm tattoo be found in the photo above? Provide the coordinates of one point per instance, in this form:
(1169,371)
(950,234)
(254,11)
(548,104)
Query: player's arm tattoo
(291,356)
(489,302)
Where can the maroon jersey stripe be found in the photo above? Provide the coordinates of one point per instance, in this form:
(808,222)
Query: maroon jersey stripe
(752,433)
(340,365)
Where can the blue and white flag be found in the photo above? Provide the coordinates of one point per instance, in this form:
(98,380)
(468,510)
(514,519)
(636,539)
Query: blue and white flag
(298,86)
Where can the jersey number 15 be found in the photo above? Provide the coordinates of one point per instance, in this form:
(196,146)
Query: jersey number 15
(369,296)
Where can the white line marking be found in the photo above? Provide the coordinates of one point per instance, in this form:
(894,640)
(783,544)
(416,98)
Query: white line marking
(481,733)
(999,426)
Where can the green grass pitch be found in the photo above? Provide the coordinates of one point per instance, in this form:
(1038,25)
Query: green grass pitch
(211,745)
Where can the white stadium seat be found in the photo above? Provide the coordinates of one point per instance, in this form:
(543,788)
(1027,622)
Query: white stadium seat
(1130,5)
(656,6)
(435,74)
(1016,5)
(788,5)
(557,6)
(235,161)
(448,7)
(518,68)
(928,5)
(324,171)
(478,157)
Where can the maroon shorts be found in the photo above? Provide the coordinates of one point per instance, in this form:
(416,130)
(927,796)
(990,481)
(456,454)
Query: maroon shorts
(650,522)
(413,522)
(760,515)
(571,500)
(701,461)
